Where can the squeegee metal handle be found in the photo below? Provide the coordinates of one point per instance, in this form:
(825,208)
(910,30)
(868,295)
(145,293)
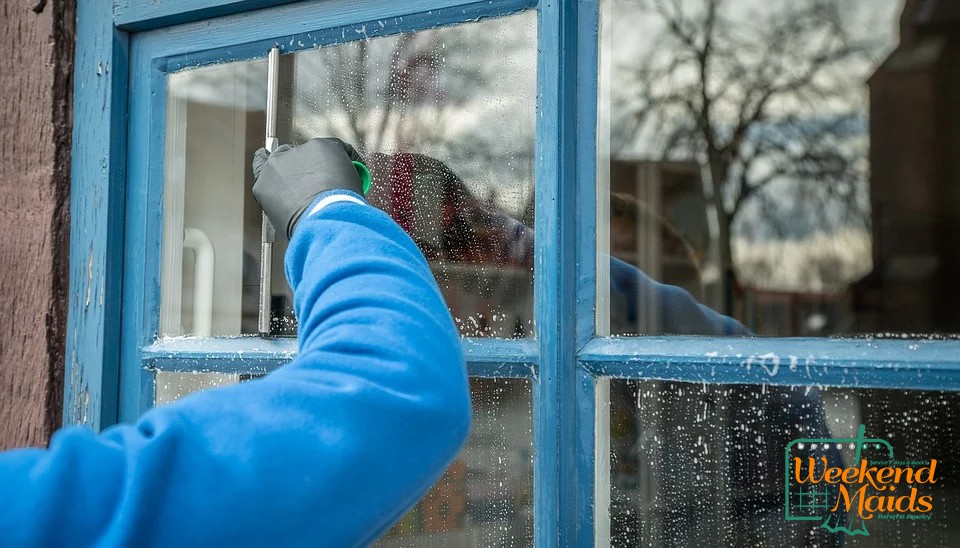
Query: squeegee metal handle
(267,232)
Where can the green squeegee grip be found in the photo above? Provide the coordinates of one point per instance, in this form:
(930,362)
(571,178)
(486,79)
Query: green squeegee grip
(365,178)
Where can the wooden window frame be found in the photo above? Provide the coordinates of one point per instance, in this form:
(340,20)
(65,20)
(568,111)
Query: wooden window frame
(124,51)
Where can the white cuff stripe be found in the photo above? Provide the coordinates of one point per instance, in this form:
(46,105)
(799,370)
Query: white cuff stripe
(334,199)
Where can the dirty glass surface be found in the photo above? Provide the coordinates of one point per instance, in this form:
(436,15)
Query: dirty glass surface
(170,386)
(785,162)
(485,497)
(445,120)
(703,465)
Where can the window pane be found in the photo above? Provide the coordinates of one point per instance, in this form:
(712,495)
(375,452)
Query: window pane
(485,498)
(211,235)
(787,163)
(170,387)
(445,120)
(703,465)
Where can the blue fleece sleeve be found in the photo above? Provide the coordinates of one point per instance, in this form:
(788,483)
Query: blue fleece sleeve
(631,290)
(327,451)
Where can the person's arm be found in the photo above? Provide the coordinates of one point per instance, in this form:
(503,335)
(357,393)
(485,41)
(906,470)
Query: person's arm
(329,450)
(679,312)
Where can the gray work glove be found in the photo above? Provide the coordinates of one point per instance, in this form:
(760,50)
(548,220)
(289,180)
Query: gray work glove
(289,179)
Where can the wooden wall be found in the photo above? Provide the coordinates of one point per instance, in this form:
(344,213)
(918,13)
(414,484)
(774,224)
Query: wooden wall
(36,63)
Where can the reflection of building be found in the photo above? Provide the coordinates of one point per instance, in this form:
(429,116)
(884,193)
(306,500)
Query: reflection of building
(793,314)
(668,232)
(915,177)
(915,202)
(658,223)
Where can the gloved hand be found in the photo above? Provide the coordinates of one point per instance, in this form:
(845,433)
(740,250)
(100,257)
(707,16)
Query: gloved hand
(289,179)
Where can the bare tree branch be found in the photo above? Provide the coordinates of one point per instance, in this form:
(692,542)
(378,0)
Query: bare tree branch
(755,100)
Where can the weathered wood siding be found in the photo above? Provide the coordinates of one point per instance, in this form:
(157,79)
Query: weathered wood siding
(36,60)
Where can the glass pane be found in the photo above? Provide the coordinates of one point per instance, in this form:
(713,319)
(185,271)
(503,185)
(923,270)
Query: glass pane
(211,234)
(485,498)
(703,465)
(786,163)
(445,120)
(170,387)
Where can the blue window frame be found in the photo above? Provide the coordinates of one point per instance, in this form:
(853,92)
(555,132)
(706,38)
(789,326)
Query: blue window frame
(124,52)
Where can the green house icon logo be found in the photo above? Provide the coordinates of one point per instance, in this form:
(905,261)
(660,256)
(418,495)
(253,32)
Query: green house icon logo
(821,501)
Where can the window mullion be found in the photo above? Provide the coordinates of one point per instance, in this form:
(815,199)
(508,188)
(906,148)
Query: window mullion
(565,251)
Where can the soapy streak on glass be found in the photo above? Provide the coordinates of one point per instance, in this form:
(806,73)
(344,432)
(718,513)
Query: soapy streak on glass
(445,121)
(703,465)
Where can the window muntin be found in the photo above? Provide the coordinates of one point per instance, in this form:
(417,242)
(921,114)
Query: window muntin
(703,464)
(443,117)
(772,185)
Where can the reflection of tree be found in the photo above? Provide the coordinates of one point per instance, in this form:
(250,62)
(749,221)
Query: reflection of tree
(756,99)
(398,96)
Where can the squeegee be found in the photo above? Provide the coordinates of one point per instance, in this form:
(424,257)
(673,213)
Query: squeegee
(267,231)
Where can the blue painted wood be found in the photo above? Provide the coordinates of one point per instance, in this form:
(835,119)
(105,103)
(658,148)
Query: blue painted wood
(140,15)
(875,363)
(234,364)
(500,357)
(234,355)
(557,484)
(148,389)
(585,297)
(96,213)
(485,357)
(586,456)
(308,25)
(144,222)
(586,70)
